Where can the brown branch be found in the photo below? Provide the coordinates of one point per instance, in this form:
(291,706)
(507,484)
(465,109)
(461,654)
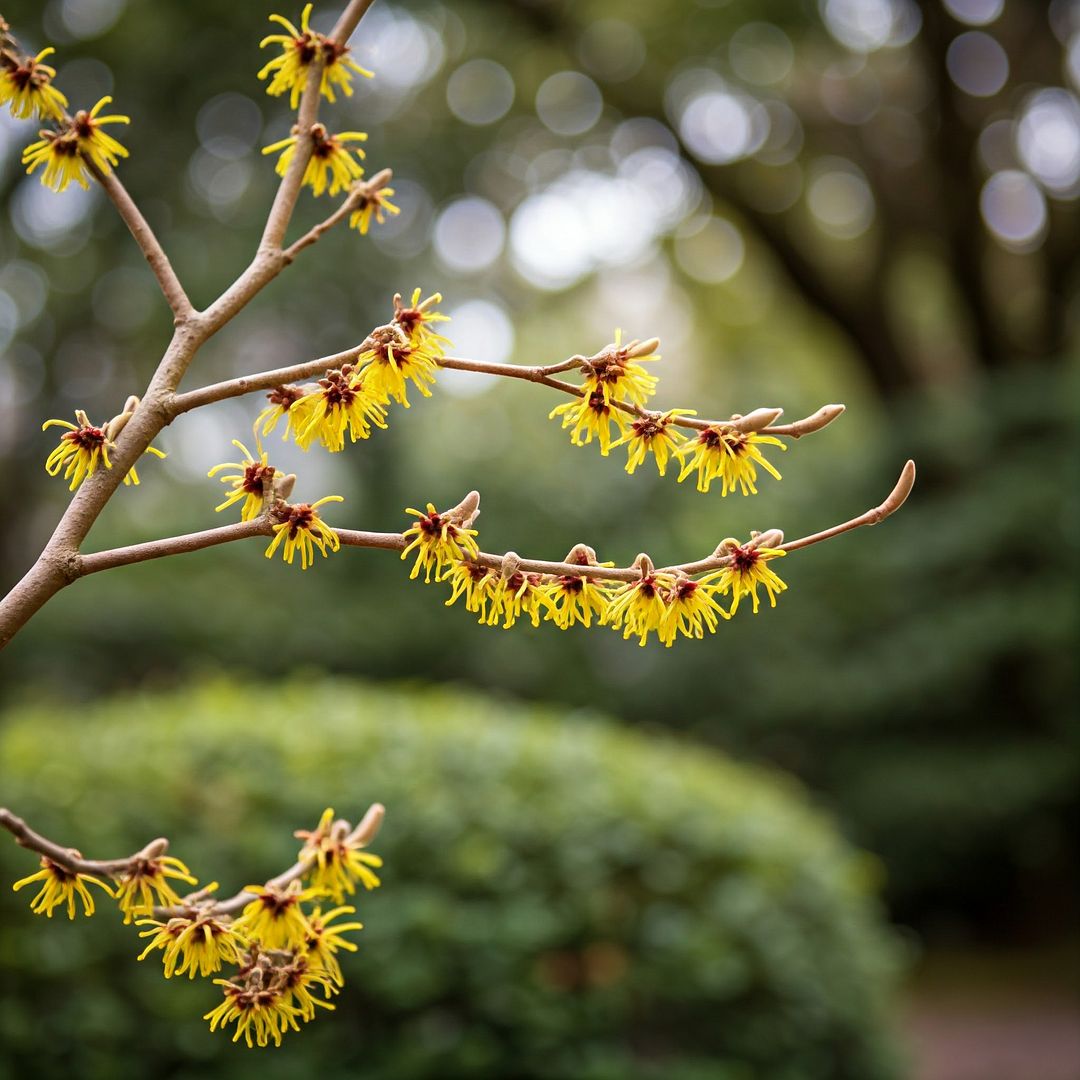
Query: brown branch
(394,541)
(147,241)
(361,836)
(361,190)
(897,498)
(71,859)
(171,545)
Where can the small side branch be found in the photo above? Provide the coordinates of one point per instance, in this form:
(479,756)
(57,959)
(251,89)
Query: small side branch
(172,545)
(201,901)
(147,241)
(69,858)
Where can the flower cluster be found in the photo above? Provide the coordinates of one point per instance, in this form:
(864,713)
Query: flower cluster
(333,165)
(611,410)
(356,397)
(282,948)
(288,71)
(670,603)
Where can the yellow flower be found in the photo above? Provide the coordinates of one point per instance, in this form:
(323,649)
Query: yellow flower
(304,530)
(146,883)
(387,374)
(332,166)
(274,918)
(260,1015)
(591,416)
(617,374)
(439,542)
(570,599)
(297,982)
(691,610)
(514,596)
(60,886)
(298,49)
(341,402)
(416,319)
(639,607)
(474,582)
(747,571)
(197,946)
(82,448)
(652,434)
(325,940)
(727,454)
(282,401)
(26,87)
(339,864)
(64,153)
(373,205)
(247,484)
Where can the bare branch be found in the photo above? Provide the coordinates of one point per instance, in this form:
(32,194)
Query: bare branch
(172,545)
(71,859)
(897,498)
(147,241)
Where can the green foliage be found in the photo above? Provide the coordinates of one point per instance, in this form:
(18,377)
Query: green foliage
(561,899)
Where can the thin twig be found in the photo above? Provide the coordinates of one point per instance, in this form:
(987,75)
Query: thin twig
(147,241)
(392,541)
(71,859)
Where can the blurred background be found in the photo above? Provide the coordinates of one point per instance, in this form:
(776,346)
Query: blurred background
(866,201)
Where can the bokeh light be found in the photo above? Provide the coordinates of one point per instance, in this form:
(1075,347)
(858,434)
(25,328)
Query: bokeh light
(1014,209)
(568,103)
(975,12)
(480,92)
(977,64)
(1048,140)
(469,234)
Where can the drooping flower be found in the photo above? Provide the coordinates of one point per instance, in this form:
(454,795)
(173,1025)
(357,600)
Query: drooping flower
(640,607)
(691,610)
(389,369)
(261,1015)
(570,599)
(341,403)
(325,940)
(274,917)
(60,886)
(617,374)
(26,87)
(514,596)
(474,582)
(146,883)
(375,205)
(299,48)
(439,541)
(652,434)
(248,483)
(65,152)
(338,862)
(282,401)
(331,167)
(82,448)
(199,945)
(298,980)
(728,455)
(416,319)
(302,529)
(591,416)
(748,569)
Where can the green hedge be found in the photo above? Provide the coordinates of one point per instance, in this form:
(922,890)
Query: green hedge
(562,899)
